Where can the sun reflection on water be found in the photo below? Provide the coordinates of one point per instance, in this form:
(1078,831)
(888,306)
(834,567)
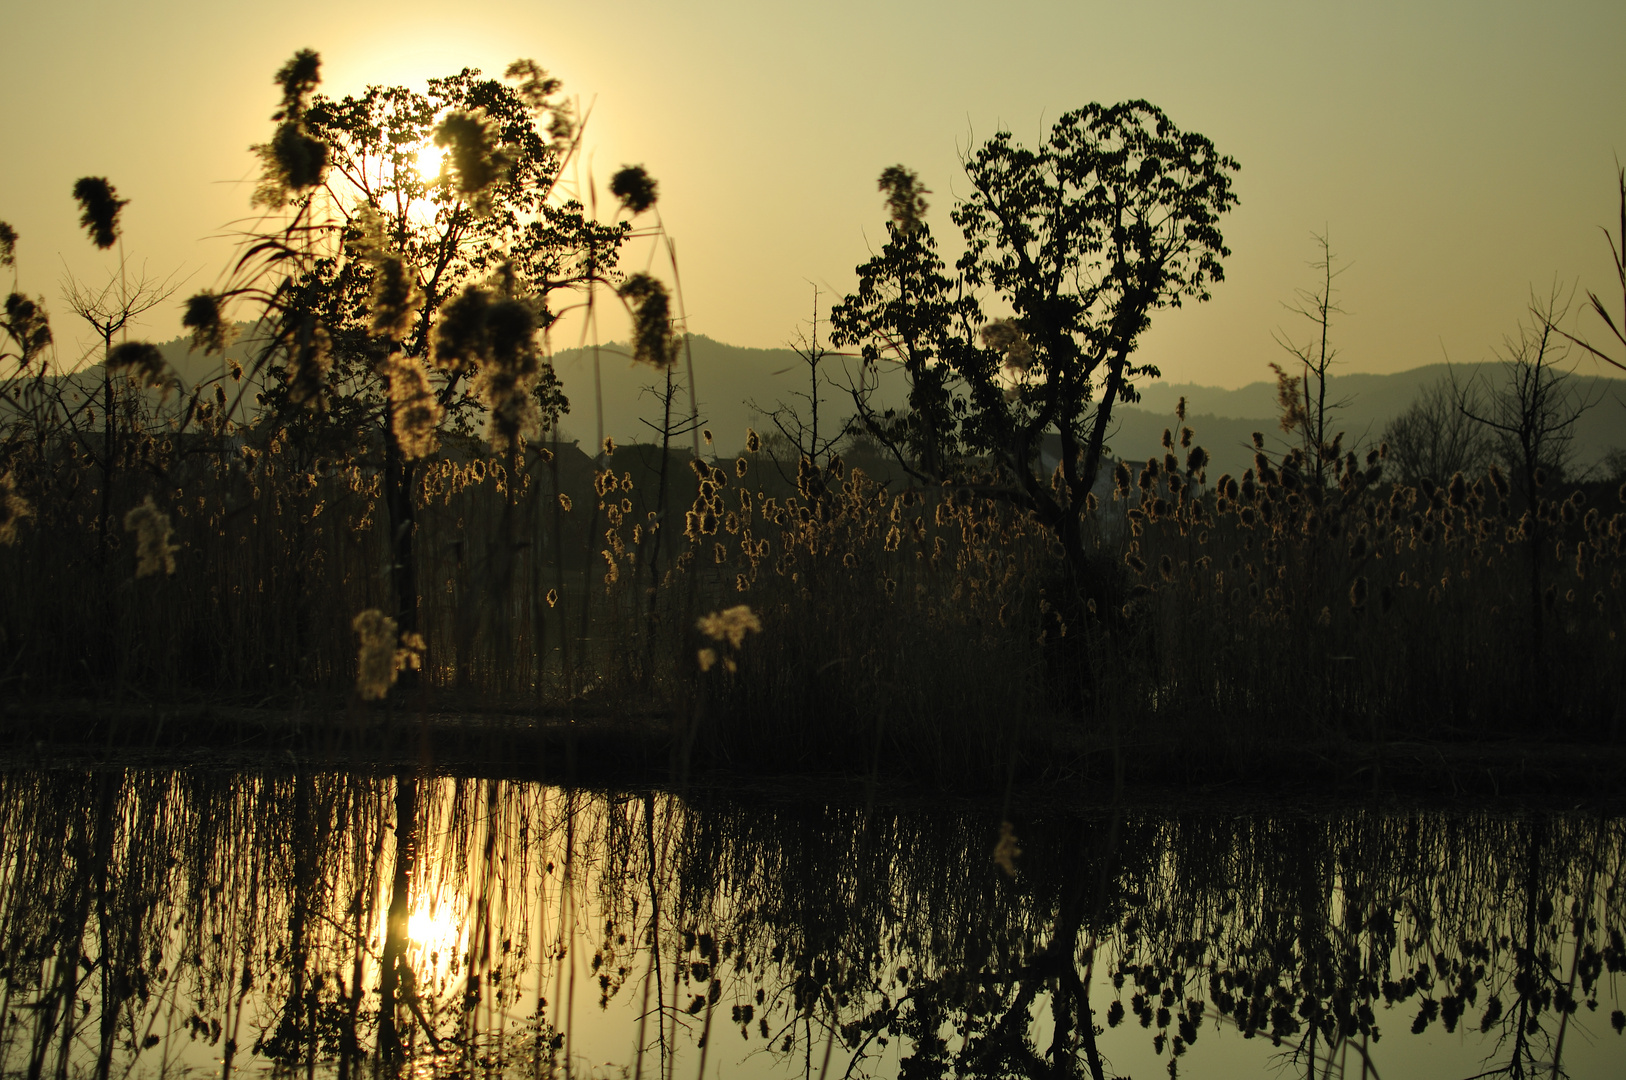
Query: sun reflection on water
(434,929)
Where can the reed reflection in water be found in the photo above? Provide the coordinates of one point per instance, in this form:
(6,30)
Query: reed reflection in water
(158,922)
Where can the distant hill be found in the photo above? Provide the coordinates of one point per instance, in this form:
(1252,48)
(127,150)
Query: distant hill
(728,377)
(1224,420)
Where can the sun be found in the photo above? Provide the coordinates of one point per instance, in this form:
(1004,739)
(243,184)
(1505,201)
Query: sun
(434,929)
(429,161)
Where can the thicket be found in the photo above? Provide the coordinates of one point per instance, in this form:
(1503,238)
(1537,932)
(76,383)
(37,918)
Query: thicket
(374,505)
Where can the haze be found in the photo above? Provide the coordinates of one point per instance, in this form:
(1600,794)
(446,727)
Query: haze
(1458,154)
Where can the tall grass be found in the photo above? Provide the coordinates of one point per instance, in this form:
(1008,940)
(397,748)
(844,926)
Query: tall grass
(226,541)
(917,631)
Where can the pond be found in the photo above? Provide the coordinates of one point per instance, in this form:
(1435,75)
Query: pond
(164,922)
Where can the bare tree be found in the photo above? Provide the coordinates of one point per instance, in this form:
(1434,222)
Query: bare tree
(1303,397)
(1529,403)
(1436,439)
(1529,408)
(109,311)
(802,432)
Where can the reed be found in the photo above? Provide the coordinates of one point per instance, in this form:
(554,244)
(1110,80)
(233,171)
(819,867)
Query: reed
(232,541)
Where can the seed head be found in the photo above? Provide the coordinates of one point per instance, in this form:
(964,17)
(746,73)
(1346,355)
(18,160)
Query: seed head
(636,189)
(141,361)
(100,206)
(653,341)
(154,553)
(1457,490)
(1121,480)
(1007,850)
(460,336)
(13,509)
(1005,336)
(395,299)
(905,197)
(378,664)
(476,156)
(310,352)
(297,79)
(730,624)
(294,161)
(415,413)
(203,317)
(29,327)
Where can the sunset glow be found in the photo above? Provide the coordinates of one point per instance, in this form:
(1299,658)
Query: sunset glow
(1455,157)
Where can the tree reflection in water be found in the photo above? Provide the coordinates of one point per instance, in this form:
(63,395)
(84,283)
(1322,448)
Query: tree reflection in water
(159,921)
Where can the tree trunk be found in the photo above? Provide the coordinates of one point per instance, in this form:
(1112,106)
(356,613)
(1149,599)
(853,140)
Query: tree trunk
(400,478)
(395,936)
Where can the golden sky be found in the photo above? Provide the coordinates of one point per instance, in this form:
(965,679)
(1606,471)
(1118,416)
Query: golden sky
(1459,154)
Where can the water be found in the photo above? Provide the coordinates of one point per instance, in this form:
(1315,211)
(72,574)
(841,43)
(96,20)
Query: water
(169,922)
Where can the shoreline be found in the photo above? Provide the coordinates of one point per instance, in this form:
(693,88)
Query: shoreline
(600,746)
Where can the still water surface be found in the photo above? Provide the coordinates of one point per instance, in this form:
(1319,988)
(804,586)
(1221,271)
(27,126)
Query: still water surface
(161,922)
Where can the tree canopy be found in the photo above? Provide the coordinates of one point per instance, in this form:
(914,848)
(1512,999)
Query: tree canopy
(1070,248)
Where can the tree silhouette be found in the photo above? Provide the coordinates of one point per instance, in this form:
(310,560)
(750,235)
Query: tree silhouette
(404,303)
(1114,217)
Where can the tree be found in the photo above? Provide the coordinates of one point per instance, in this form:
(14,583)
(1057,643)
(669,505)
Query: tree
(109,311)
(1528,403)
(1114,217)
(427,240)
(1529,409)
(801,437)
(1434,438)
(1303,397)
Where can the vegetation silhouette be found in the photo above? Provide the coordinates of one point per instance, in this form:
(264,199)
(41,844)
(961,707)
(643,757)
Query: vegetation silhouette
(154,920)
(365,509)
